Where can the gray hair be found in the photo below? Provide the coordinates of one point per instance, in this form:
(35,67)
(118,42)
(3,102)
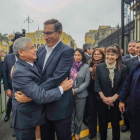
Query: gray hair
(20,43)
(132,41)
(86,46)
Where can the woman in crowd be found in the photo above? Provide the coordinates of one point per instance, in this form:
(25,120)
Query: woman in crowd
(109,79)
(98,57)
(81,76)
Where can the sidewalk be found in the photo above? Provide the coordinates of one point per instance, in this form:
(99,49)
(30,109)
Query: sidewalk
(6,132)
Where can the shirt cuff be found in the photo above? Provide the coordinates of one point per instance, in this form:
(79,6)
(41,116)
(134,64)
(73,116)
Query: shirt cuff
(61,90)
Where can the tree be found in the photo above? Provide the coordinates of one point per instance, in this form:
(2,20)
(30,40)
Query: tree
(3,38)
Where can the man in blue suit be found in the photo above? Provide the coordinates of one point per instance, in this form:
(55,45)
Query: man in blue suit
(26,78)
(55,60)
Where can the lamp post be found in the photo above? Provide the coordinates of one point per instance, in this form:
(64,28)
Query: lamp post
(29,20)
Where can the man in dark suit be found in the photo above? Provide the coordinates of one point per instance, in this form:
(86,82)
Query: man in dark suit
(88,51)
(131,50)
(55,60)
(129,63)
(26,78)
(132,54)
(9,62)
(129,95)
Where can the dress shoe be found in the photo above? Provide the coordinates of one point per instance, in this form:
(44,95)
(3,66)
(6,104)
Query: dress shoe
(11,125)
(14,134)
(124,128)
(6,118)
(91,136)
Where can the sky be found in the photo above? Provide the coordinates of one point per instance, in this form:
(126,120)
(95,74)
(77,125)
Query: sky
(76,16)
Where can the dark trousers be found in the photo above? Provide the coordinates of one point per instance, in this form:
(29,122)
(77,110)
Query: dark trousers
(134,122)
(9,106)
(25,134)
(125,115)
(103,112)
(92,109)
(61,127)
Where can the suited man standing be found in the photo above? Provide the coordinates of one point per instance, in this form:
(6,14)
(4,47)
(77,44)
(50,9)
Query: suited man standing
(88,51)
(131,50)
(55,60)
(8,63)
(129,60)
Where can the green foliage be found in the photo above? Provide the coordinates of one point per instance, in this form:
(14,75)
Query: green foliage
(4,38)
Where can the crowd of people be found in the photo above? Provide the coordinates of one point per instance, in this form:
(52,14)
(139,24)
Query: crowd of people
(56,88)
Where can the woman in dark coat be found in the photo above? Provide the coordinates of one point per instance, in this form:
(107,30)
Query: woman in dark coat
(98,57)
(109,79)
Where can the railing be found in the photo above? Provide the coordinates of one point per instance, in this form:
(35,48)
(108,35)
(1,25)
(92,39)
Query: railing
(3,100)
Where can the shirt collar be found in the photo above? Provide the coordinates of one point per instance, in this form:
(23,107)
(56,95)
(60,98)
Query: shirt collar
(132,56)
(30,63)
(53,46)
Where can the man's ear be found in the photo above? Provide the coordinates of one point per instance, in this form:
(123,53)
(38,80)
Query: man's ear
(20,52)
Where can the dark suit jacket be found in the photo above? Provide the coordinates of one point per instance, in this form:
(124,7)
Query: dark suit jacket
(9,62)
(103,83)
(125,57)
(56,70)
(26,78)
(130,62)
(11,49)
(131,88)
(88,58)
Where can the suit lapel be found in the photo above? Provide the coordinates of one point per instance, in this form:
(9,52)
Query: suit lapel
(35,71)
(51,56)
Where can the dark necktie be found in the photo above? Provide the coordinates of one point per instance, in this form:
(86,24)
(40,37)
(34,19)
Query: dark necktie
(35,67)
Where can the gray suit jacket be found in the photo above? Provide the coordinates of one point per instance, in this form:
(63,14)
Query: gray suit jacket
(27,79)
(82,81)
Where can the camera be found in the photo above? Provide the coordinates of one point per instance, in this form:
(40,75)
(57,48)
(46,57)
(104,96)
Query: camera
(19,35)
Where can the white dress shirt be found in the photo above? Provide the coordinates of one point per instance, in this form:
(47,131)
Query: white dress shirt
(132,56)
(49,51)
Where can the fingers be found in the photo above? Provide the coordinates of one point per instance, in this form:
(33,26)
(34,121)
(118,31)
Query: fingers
(19,92)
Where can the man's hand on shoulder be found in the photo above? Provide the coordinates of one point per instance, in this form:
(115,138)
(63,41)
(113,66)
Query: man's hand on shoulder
(20,97)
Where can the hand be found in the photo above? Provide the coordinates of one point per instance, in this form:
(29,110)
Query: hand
(73,91)
(11,72)
(20,97)
(90,69)
(107,101)
(9,93)
(121,107)
(66,84)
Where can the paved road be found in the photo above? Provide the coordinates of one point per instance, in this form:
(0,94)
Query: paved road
(6,131)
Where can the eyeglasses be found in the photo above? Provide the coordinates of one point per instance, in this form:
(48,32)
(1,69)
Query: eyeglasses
(97,54)
(48,33)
